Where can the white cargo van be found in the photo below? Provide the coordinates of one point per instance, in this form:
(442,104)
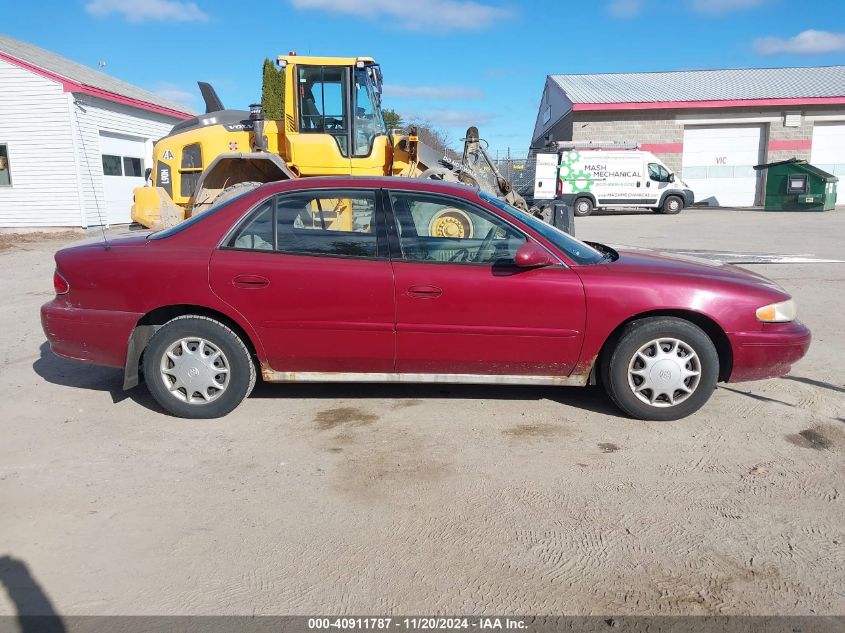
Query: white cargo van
(589,177)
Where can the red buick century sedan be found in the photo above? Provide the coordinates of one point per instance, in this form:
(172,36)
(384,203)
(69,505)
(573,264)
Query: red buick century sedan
(391,280)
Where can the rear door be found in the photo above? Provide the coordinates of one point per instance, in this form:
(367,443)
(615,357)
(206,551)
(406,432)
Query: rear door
(310,271)
(462,307)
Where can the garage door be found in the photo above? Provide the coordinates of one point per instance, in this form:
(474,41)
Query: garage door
(718,163)
(829,151)
(123,170)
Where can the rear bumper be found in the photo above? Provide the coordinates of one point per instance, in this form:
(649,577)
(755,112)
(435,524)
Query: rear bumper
(768,354)
(95,336)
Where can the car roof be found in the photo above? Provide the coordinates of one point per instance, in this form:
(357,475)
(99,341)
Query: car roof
(375,182)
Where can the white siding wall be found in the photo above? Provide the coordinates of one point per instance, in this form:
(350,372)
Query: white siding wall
(34,122)
(92,115)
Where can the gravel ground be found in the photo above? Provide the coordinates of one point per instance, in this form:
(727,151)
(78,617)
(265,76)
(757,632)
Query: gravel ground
(353,499)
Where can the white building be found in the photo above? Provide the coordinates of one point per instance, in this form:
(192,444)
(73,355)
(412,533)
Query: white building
(74,141)
(709,126)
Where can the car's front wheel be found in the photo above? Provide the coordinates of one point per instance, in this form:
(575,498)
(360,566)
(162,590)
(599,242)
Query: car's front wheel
(197,367)
(661,368)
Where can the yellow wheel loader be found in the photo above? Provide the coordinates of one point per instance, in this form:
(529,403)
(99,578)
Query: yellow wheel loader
(332,125)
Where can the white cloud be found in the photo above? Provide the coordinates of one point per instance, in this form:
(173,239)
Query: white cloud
(625,8)
(172,92)
(433,93)
(718,7)
(438,15)
(450,118)
(805,43)
(148,10)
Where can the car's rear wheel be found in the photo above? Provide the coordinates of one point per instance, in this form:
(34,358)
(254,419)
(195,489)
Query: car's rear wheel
(661,368)
(196,367)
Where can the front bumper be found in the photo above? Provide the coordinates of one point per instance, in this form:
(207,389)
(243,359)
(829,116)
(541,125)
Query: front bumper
(768,353)
(689,197)
(95,336)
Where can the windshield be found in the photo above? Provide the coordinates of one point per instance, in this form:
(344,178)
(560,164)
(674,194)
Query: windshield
(578,252)
(369,122)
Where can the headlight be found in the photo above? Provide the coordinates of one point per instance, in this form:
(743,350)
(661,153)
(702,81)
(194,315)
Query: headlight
(782,312)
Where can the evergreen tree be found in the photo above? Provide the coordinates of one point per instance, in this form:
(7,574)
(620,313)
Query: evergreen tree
(392,119)
(273,91)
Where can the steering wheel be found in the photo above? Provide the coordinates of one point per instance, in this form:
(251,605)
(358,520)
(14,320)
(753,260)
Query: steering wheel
(463,254)
(485,245)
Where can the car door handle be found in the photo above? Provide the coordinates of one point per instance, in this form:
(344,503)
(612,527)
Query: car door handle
(424,292)
(638,183)
(250,281)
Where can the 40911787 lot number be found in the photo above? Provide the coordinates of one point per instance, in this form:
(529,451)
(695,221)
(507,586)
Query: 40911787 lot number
(414,624)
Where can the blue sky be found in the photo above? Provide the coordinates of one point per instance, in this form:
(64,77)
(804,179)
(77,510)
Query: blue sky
(453,62)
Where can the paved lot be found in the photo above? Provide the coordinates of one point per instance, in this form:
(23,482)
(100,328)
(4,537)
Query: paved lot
(422,499)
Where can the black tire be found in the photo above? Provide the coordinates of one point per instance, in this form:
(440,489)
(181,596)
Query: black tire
(232,192)
(241,369)
(672,205)
(582,207)
(636,335)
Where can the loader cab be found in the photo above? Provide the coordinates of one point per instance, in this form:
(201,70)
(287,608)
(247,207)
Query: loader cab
(337,127)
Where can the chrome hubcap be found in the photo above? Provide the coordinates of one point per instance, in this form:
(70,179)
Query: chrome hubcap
(195,370)
(664,372)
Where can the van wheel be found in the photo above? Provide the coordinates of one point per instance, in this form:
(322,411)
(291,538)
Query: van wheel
(582,207)
(661,368)
(196,367)
(672,205)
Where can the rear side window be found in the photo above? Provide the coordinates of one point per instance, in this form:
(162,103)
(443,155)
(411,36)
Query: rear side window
(190,169)
(332,223)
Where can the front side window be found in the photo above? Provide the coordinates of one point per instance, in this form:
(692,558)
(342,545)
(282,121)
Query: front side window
(337,223)
(369,122)
(658,172)
(434,228)
(5,169)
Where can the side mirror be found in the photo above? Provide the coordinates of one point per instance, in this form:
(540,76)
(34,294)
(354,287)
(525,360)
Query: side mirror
(532,255)
(147,172)
(671,177)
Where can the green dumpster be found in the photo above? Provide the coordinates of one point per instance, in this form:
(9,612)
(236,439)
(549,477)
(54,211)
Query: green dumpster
(796,185)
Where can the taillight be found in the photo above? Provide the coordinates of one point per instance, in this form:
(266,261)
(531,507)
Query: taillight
(559,188)
(60,284)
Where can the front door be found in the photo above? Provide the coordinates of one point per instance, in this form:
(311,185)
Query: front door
(462,307)
(310,273)
(657,181)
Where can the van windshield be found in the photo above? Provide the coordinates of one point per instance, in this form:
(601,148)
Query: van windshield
(579,252)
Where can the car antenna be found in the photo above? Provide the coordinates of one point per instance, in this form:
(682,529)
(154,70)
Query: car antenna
(106,244)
